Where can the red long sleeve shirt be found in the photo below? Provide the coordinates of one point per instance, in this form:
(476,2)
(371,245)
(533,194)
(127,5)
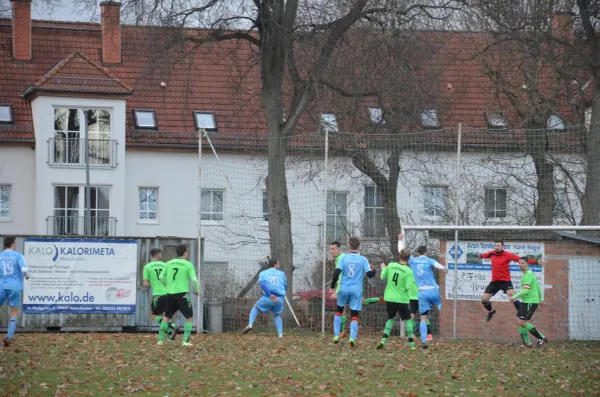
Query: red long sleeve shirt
(500,264)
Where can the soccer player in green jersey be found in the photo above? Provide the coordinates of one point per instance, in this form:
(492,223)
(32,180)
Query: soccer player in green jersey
(177,275)
(335,249)
(400,287)
(526,301)
(151,273)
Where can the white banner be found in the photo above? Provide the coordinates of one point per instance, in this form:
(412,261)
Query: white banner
(475,273)
(80,276)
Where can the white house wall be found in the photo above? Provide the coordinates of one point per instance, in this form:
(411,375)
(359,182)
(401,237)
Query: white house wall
(17,171)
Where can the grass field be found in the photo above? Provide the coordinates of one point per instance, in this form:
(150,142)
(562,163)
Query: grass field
(233,364)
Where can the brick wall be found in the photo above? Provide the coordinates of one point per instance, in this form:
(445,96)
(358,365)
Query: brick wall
(552,319)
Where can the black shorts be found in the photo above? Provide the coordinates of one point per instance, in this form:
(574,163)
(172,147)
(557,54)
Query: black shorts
(414,306)
(179,302)
(401,308)
(159,305)
(496,286)
(526,310)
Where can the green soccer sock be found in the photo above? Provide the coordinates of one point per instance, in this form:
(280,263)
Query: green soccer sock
(158,319)
(533,331)
(343,327)
(162,331)
(389,324)
(524,336)
(410,332)
(187,331)
(368,301)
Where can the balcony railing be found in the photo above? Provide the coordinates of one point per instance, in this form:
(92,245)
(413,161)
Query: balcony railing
(75,225)
(70,152)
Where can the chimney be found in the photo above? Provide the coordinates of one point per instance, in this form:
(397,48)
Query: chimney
(111,32)
(562,26)
(21,29)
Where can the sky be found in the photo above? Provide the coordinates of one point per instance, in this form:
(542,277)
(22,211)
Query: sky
(62,10)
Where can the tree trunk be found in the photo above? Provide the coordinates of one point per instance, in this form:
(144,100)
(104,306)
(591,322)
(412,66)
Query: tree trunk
(537,146)
(591,197)
(390,203)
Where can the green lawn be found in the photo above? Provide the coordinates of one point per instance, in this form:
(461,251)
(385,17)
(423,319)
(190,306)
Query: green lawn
(233,364)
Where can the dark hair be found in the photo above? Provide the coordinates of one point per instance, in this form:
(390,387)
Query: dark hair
(499,241)
(422,250)
(404,254)
(272,262)
(337,244)
(9,241)
(524,258)
(354,243)
(181,250)
(155,251)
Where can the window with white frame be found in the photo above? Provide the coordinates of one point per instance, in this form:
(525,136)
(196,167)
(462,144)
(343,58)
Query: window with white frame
(373,219)
(429,119)
(496,121)
(69,210)
(434,200)
(205,120)
(4,202)
(69,135)
(329,122)
(560,208)
(6,115)
(555,123)
(376,115)
(495,202)
(337,207)
(148,204)
(265,206)
(144,118)
(212,205)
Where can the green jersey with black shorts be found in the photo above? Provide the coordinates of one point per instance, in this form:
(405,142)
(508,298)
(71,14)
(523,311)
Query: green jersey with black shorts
(177,275)
(151,274)
(400,286)
(337,261)
(530,295)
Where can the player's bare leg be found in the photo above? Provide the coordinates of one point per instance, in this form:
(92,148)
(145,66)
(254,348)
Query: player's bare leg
(485,301)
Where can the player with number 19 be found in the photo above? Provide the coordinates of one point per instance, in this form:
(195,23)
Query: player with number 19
(151,275)
(274,285)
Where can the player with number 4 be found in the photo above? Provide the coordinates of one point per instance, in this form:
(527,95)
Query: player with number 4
(12,271)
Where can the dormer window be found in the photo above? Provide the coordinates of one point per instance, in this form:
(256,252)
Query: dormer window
(496,121)
(6,115)
(555,123)
(429,119)
(376,115)
(144,118)
(329,122)
(205,120)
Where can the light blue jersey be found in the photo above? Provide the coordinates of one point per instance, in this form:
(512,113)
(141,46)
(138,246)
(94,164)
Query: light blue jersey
(12,268)
(353,267)
(422,267)
(273,282)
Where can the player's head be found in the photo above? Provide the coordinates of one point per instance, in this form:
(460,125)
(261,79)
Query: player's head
(10,242)
(404,255)
(156,254)
(354,243)
(182,251)
(523,263)
(335,249)
(422,250)
(273,263)
(499,246)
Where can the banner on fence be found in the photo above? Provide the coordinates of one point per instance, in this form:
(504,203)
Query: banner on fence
(475,273)
(80,276)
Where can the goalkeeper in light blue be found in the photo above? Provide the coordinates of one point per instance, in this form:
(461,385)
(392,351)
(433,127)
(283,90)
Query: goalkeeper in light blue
(429,291)
(273,283)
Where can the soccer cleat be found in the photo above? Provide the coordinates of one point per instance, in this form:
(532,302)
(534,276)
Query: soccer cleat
(160,343)
(247,329)
(6,342)
(280,336)
(542,342)
(424,346)
(429,337)
(173,334)
(413,348)
(380,346)
(352,342)
(342,335)
(186,344)
(527,345)
(490,315)
(336,340)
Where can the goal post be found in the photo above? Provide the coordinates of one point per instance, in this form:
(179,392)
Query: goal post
(569,277)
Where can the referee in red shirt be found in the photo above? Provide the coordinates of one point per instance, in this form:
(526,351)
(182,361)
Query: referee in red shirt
(500,275)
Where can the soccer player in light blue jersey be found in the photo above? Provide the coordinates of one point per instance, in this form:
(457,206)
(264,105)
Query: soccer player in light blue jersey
(352,268)
(429,291)
(274,285)
(12,271)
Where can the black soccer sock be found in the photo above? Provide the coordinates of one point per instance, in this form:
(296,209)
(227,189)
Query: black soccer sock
(488,306)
